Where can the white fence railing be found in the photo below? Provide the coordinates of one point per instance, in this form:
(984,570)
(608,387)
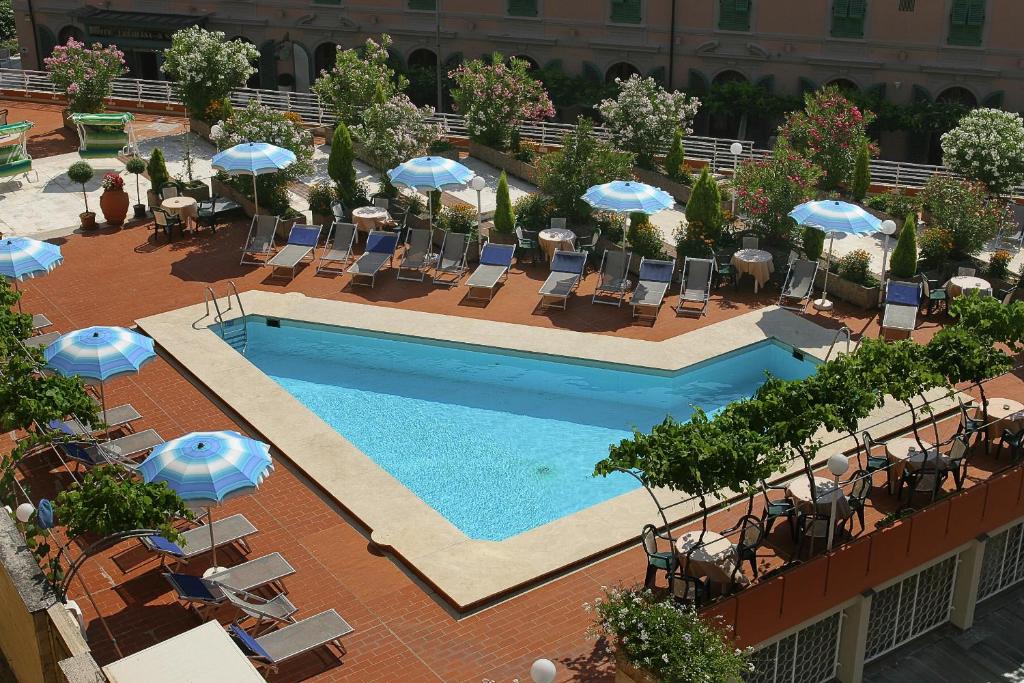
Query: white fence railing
(713,151)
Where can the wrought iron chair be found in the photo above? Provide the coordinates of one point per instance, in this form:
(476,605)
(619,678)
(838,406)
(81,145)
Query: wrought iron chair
(664,560)
(777,508)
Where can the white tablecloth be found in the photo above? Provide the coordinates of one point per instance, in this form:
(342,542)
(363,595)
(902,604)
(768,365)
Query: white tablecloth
(715,559)
(956,285)
(552,239)
(755,262)
(181,206)
(367,218)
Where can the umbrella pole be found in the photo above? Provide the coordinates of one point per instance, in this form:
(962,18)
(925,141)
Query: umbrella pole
(430,210)
(823,304)
(19,298)
(103,415)
(209,522)
(255,197)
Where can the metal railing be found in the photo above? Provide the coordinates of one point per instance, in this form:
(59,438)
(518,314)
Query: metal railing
(713,151)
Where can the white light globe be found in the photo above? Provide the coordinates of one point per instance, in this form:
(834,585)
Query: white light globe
(838,464)
(215,131)
(478,183)
(888,227)
(24,512)
(543,671)
(736,149)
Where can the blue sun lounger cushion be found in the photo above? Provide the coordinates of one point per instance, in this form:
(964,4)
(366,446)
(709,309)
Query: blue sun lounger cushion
(247,642)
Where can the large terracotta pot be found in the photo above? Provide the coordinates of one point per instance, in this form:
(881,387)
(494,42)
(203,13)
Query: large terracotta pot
(114,205)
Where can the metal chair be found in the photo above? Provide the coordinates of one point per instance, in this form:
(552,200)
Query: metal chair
(933,293)
(162,220)
(168,190)
(858,495)
(957,461)
(527,244)
(778,508)
(751,536)
(751,242)
(688,590)
(656,559)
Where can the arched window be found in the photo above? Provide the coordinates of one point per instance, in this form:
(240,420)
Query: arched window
(70,32)
(254,80)
(621,70)
(422,74)
(324,57)
(844,84)
(533,65)
(422,58)
(958,95)
(728,125)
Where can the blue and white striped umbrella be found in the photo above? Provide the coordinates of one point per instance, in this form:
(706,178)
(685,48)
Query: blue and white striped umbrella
(205,468)
(99,352)
(22,258)
(837,217)
(253,158)
(627,196)
(430,173)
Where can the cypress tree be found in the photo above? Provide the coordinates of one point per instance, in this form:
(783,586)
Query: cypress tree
(157,169)
(704,210)
(504,217)
(339,165)
(675,162)
(862,173)
(903,263)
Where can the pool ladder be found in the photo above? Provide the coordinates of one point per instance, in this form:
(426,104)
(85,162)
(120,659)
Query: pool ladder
(844,330)
(233,331)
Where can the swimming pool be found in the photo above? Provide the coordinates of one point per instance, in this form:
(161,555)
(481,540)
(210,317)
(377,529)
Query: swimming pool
(497,442)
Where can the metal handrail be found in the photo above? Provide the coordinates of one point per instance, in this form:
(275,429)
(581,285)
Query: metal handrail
(835,340)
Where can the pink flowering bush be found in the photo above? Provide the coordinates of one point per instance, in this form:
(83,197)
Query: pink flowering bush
(495,97)
(85,74)
(829,132)
(766,191)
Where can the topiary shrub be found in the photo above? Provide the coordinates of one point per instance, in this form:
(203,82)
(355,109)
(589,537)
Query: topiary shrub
(813,242)
(704,210)
(504,218)
(157,169)
(81,172)
(340,165)
(675,161)
(136,166)
(861,173)
(903,263)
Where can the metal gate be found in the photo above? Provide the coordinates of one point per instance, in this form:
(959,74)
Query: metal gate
(1003,562)
(808,656)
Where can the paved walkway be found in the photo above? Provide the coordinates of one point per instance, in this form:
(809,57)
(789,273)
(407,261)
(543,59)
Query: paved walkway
(991,651)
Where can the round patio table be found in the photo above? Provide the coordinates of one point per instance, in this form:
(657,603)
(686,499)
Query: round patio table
(756,262)
(369,218)
(715,558)
(904,453)
(956,285)
(825,492)
(183,207)
(1004,413)
(552,239)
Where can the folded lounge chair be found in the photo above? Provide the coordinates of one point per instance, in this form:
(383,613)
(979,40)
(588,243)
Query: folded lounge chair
(696,285)
(260,241)
(276,610)
(39,321)
(380,249)
(302,240)
(270,650)
(613,282)
(202,593)
(416,257)
(118,416)
(495,260)
(119,451)
(566,273)
(799,284)
(41,341)
(195,542)
(338,249)
(902,302)
(652,284)
(451,264)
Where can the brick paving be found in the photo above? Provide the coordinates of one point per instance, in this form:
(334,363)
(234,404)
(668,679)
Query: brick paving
(403,632)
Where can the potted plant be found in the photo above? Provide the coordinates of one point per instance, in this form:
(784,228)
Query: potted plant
(81,172)
(321,196)
(158,175)
(86,75)
(114,201)
(136,166)
(443,148)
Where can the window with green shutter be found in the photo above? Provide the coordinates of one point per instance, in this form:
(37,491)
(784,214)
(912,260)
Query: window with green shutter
(522,8)
(848,18)
(427,5)
(626,11)
(734,15)
(966,22)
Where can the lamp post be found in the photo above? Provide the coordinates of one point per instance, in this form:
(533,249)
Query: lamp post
(478,184)
(24,512)
(837,465)
(888,228)
(736,149)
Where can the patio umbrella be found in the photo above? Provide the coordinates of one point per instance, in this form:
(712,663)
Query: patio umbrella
(834,218)
(430,173)
(22,258)
(206,468)
(628,196)
(99,353)
(253,158)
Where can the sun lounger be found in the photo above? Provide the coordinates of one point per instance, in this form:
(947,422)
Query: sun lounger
(799,284)
(417,255)
(195,542)
(118,416)
(566,273)
(902,302)
(495,260)
(260,241)
(270,650)
(119,451)
(613,277)
(276,610)
(652,284)
(41,341)
(302,240)
(380,249)
(204,592)
(451,264)
(338,248)
(39,321)
(696,285)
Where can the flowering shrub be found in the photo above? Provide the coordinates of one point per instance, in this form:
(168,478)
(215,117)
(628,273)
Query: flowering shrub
(999,265)
(766,191)
(85,74)
(644,116)
(395,130)
(533,211)
(830,132)
(987,145)
(207,67)
(493,98)
(964,209)
(856,267)
(672,642)
(896,203)
(357,76)
(935,246)
(112,181)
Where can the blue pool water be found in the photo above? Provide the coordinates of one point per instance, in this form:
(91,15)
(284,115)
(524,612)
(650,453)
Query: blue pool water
(498,443)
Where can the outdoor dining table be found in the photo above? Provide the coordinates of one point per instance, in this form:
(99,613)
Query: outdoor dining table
(1004,413)
(825,493)
(956,286)
(552,239)
(756,262)
(904,453)
(183,207)
(714,559)
(369,218)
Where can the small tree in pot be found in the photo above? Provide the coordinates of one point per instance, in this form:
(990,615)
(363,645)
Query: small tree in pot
(504,217)
(321,196)
(158,175)
(904,256)
(81,172)
(136,166)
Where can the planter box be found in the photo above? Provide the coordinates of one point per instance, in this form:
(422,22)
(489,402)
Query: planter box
(199,193)
(362,154)
(200,128)
(680,192)
(222,189)
(860,296)
(505,162)
(626,672)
